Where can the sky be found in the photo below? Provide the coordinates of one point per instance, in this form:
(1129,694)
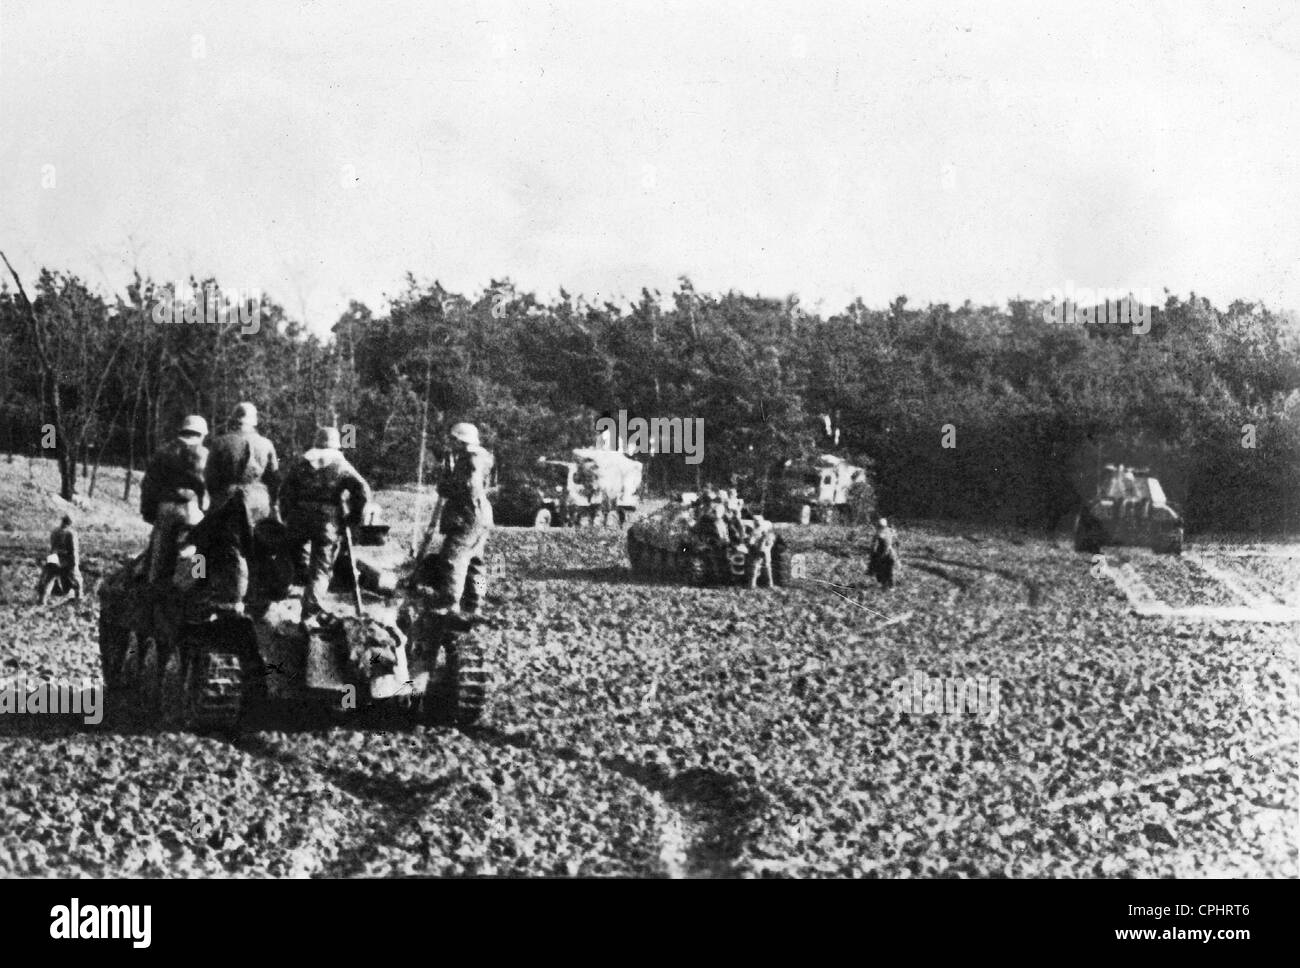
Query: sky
(320,151)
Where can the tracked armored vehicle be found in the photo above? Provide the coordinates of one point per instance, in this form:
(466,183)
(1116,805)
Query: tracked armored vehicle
(671,544)
(1129,508)
(171,660)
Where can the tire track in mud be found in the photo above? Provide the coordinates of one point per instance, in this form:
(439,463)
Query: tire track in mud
(704,834)
(1033,589)
(701,813)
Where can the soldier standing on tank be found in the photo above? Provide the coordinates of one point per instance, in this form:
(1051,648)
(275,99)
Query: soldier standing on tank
(63,546)
(884,555)
(312,501)
(464,516)
(172,496)
(243,477)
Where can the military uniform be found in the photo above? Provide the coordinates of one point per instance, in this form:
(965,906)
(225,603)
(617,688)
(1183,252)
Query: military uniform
(171,499)
(243,476)
(63,545)
(760,541)
(460,575)
(311,500)
(883,557)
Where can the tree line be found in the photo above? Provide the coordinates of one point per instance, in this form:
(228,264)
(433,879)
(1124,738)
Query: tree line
(967,412)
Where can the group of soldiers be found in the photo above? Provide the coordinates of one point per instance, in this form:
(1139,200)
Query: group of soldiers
(721,524)
(219,498)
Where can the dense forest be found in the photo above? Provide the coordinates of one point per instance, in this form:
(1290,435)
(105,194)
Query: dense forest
(967,412)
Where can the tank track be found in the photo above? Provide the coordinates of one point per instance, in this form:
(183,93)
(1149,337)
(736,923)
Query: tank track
(469,674)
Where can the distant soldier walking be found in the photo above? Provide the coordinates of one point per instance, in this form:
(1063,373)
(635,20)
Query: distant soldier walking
(243,477)
(64,564)
(312,501)
(884,555)
(464,516)
(172,496)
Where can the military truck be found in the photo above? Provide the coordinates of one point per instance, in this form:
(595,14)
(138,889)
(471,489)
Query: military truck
(561,493)
(172,660)
(1128,508)
(823,491)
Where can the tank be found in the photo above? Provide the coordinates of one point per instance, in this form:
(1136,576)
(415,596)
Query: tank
(672,544)
(170,660)
(1129,508)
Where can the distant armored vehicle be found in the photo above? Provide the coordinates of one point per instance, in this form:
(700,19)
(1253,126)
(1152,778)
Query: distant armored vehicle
(675,543)
(821,491)
(1129,508)
(611,482)
(558,493)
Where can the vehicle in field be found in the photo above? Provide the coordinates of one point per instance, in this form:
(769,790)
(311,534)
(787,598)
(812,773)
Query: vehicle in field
(547,494)
(1129,508)
(170,659)
(673,543)
(561,493)
(823,491)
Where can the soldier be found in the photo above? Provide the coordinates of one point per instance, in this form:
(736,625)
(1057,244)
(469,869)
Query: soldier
(464,516)
(243,476)
(63,547)
(312,503)
(884,556)
(761,540)
(172,496)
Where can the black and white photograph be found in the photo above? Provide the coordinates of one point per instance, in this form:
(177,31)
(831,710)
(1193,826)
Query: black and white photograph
(576,440)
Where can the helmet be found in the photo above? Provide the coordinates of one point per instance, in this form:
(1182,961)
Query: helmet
(466,433)
(244,413)
(327,437)
(881,523)
(193,425)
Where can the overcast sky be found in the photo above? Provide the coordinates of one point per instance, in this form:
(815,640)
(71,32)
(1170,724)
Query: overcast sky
(319,151)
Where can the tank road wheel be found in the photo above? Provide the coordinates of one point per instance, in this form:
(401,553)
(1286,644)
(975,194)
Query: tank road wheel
(805,514)
(172,693)
(542,518)
(781,564)
(214,697)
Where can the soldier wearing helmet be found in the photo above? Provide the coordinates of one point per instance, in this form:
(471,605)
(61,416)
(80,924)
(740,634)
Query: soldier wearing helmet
(173,495)
(243,477)
(312,501)
(884,555)
(464,516)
